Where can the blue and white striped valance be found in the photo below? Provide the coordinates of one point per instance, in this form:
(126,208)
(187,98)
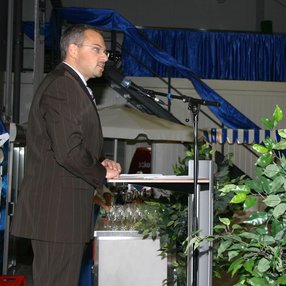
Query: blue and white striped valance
(239,136)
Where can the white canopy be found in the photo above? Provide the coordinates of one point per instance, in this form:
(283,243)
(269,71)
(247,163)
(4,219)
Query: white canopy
(123,122)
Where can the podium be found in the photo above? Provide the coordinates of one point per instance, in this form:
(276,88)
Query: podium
(204,215)
(124,258)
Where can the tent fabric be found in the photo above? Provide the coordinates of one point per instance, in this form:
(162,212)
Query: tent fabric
(238,136)
(123,122)
(110,20)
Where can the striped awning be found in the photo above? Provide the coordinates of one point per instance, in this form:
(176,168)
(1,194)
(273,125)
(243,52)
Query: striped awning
(239,136)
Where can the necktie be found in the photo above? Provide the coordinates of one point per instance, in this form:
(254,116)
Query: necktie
(91,93)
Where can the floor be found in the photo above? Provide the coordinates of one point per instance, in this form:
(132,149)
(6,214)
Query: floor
(23,266)
(25,270)
(21,257)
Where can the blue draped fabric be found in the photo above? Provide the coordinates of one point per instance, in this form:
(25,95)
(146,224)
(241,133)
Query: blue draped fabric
(110,20)
(29,28)
(4,190)
(212,55)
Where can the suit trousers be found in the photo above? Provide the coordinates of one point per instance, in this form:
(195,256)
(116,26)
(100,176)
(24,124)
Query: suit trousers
(56,264)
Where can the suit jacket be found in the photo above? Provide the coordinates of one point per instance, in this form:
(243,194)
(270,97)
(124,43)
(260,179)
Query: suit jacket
(62,168)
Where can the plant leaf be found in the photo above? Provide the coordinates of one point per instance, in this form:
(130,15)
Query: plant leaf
(232,254)
(239,198)
(249,235)
(225,221)
(264,160)
(279,210)
(277,183)
(272,200)
(260,148)
(265,182)
(282,133)
(268,239)
(171,222)
(256,281)
(268,142)
(241,189)
(248,265)
(257,218)
(236,226)
(271,170)
(250,202)
(235,266)
(267,122)
(254,185)
(227,189)
(263,265)
(281,280)
(276,226)
(281,145)
(223,246)
(277,114)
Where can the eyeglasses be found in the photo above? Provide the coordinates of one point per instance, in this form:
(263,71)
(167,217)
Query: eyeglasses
(95,49)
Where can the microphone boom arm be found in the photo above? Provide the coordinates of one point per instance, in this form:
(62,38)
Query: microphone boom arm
(184,98)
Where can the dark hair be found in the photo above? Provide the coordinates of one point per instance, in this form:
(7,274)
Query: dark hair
(74,35)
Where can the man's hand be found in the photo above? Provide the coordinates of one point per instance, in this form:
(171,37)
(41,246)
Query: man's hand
(113,169)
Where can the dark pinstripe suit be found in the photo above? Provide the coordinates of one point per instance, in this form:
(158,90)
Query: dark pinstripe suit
(64,143)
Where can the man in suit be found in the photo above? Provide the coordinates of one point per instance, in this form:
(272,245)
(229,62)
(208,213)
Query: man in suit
(63,167)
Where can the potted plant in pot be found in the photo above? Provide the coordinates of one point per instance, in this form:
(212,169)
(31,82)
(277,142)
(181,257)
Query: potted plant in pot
(253,248)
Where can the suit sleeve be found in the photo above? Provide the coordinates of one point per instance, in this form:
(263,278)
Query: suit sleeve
(74,130)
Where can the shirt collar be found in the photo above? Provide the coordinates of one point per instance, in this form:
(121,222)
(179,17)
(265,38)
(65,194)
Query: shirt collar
(79,74)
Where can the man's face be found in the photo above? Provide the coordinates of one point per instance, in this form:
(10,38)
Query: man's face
(91,55)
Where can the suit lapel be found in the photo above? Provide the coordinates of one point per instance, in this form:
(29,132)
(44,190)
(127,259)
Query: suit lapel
(78,79)
(80,82)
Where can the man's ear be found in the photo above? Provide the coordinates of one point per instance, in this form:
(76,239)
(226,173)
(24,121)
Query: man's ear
(72,50)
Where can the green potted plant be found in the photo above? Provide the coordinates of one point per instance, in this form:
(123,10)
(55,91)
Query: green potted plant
(253,248)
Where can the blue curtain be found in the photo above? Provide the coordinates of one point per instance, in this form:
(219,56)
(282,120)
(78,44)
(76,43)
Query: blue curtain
(212,55)
(110,20)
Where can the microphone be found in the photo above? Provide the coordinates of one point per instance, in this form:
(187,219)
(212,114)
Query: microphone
(128,84)
(203,102)
(121,80)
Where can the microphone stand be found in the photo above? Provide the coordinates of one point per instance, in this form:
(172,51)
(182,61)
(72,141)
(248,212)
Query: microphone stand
(194,105)
(184,98)
(195,109)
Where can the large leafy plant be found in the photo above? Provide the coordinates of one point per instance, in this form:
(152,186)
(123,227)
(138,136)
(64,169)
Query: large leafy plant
(253,248)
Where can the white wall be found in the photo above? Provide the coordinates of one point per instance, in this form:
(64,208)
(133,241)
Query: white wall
(196,14)
(242,15)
